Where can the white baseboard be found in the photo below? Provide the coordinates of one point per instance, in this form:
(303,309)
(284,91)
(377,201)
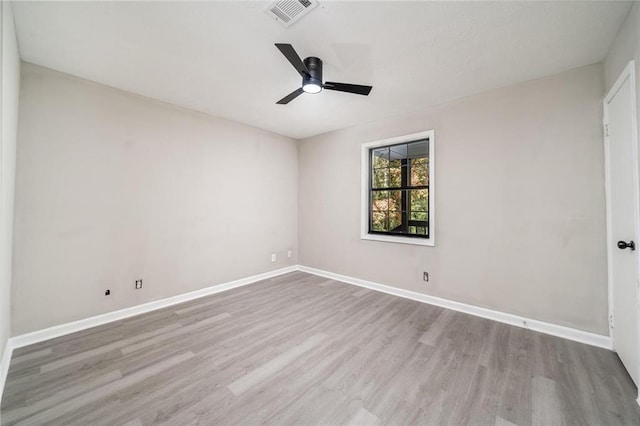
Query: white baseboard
(531,324)
(72,327)
(4,365)
(83,324)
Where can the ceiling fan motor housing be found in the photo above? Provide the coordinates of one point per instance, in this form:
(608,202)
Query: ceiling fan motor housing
(314,65)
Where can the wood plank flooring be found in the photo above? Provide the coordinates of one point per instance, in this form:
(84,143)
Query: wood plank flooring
(300,349)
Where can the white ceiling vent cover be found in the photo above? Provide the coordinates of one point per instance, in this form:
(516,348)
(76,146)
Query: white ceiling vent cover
(287,12)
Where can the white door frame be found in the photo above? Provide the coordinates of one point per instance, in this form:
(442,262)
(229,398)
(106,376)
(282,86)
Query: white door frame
(627,73)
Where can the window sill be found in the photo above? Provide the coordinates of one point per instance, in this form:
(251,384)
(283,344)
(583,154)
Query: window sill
(401,240)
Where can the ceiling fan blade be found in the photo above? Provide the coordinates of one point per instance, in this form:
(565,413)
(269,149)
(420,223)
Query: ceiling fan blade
(291,96)
(350,88)
(289,52)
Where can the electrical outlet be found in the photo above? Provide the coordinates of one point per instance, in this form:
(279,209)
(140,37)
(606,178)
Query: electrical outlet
(273,257)
(425,276)
(138,284)
(289,254)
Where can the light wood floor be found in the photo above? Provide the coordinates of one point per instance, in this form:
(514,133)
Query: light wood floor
(300,349)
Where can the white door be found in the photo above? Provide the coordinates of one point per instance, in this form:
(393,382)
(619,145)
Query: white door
(622,211)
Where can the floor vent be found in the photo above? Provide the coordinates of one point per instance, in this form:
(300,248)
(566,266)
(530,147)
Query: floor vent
(287,12)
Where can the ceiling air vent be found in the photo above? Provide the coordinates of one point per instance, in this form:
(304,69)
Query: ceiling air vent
(289,11)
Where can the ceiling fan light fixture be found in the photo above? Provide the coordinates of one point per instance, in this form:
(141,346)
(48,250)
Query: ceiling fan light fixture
(311,87)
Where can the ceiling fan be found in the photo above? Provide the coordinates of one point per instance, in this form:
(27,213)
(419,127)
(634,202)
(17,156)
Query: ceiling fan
(311,71)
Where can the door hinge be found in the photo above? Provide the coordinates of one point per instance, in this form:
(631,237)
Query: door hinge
(611,321)
(606,129)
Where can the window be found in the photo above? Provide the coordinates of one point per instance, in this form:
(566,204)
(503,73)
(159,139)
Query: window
(398,189)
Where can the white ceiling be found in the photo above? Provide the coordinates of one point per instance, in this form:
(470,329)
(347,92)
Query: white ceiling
(219,57)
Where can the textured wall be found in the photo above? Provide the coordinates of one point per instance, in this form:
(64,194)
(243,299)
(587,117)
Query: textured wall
(626,47)
(9,124)
(112,187)
(520,212)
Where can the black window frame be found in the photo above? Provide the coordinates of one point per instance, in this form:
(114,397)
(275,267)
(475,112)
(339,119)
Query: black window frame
(405,188)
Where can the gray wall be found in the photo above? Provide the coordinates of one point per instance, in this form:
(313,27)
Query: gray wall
(625,48)
(520,211)
(9,124)
(112,187)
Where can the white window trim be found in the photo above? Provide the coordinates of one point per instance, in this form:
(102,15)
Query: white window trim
(364,191)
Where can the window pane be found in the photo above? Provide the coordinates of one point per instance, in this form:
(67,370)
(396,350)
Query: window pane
(395,221)
(395,177)
(397,153)
(418,230)
(397,205)
(419,200)
(419,171)
(380,200)
(380,157)
(395,200)
(379,221)
(380,178)
(418,149)
(418,215)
